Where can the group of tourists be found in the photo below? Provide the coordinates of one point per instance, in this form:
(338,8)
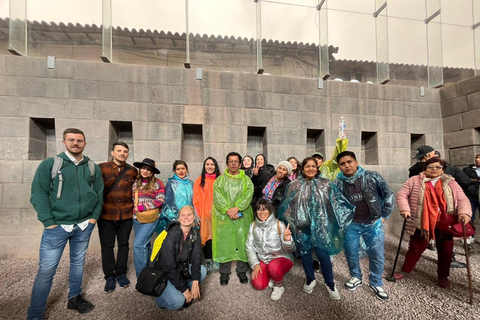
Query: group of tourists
(252,213)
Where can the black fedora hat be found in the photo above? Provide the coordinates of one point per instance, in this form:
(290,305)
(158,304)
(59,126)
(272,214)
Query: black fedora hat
(147,162)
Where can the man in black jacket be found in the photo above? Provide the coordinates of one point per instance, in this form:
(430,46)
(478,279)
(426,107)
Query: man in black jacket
(423,154)
(473,173)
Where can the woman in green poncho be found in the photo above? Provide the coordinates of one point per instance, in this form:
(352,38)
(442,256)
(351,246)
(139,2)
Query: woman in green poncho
(231,219)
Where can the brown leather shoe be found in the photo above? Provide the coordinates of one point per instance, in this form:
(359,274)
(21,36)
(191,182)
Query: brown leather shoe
(444,283)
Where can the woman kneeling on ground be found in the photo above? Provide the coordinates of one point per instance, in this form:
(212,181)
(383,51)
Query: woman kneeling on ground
(181,259)
(269,247)
(421,200)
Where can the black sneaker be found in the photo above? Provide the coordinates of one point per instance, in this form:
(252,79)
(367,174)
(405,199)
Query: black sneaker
(224,277)
(243,277)
(110,285)
(79,304)
(316,265)
(123,281)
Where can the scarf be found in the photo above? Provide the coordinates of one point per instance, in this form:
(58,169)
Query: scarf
(434,204)
(210,176)
(182,180)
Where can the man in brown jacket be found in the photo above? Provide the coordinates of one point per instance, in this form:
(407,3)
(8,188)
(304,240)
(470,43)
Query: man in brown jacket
(116,217)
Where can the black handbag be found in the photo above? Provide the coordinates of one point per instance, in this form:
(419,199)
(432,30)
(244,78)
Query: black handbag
(151,281)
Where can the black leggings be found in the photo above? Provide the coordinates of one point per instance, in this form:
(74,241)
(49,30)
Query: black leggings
(207,249)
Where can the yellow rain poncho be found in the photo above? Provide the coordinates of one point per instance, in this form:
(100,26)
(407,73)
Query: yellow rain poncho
(229,236)
(329,169)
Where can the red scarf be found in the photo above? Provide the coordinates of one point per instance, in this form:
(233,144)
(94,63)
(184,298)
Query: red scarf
(434,203)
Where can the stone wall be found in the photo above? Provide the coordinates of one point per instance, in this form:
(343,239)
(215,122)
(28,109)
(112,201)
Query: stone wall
(461,125)
(167,114)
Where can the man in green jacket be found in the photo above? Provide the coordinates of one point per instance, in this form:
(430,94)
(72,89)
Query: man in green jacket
(68,205)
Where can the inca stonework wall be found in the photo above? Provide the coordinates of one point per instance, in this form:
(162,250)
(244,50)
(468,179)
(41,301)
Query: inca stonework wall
(461,120)
(166,114)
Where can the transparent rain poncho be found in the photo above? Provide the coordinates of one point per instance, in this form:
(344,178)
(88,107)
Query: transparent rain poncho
(378,195)
(229,236)
(317,213)
(178,193)
(329,168)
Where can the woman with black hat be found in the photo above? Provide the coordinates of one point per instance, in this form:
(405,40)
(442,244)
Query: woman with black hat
(149,197)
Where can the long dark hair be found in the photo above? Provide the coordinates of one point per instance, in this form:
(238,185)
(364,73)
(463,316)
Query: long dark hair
(204,172)
(177,162)
(251,166)
(299,165)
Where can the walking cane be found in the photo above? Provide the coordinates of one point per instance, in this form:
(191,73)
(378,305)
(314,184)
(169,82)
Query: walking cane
(468,263)
(391,278)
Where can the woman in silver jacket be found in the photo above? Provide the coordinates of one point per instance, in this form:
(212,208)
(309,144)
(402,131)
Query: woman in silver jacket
(269,249)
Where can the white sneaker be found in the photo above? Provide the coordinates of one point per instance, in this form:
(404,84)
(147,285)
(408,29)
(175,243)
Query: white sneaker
(277,293)
(270,283)
(333,294)
(470,240)
(353,283)
(309,288)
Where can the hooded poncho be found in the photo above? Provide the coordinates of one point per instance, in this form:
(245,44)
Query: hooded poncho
(229,236)
(314,208)
(203,201)
(178,193)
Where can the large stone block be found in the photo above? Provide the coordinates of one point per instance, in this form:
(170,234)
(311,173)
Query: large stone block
(93,129)
(83,109)
(171,76)
(10,106)
(57,88)
(334,88)
(280,152)
(99,71)
(375,107)
(194,96)
(351,89)
(304,86)
(141,74)
(313,120)
(453,123)
(315,104)
(248,81)
(416,125)
(120,111)
(138,92)
(468,86)
(434,140)
(225,133)
(64,69)
(454,106)
(473,100)
(170,151)
(219,150)
(448,93)
(283,119)
(214,97)
(43,108)
(8,86)
(165,113)
(16,196)
(463,138)
(395,173)
(194,114)
(157,131)
(394,156)
(286,136)
(11,171)
(19,66)
(98,150)
(281,84)
(227,116)
(265,83)
(113,91)
(343,106)
(292,102)
(463,156)
(29,169)
(169,94)
(254,99)
(470,119)
(148,149)
(229,80)
(235,99)
(259,118)
(398,108)
(80,89)
(31,87)
(15,148)
(14,127)
(190,78)
(393,140)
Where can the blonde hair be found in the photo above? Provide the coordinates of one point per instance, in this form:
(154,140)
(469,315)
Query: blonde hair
(192,209)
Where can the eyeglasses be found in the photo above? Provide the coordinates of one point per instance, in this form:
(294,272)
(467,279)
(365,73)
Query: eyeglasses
(435,167)
(262,209)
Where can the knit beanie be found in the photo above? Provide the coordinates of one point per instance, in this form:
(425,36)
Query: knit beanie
(287,165)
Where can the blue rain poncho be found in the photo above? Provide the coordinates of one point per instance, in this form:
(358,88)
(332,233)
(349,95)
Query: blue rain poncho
(314,209)
(376,193)
(178,193)
(229,236)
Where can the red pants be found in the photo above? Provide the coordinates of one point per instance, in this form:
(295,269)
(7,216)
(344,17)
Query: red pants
(418,244)
(275,270)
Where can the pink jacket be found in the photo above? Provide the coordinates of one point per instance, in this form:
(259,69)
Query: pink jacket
(410,198)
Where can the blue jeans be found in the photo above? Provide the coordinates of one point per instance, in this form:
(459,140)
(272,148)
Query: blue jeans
(51,249)
(173,299)
(142,248)
(325,264)
(374,239)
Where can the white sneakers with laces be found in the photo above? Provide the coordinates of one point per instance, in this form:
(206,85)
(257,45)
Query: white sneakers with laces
(353,283)
(308,288)
(333,294)
(277,293)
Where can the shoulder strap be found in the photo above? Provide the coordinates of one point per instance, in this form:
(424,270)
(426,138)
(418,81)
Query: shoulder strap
(114,184)
(91,167)
(57,165)
(278,228)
